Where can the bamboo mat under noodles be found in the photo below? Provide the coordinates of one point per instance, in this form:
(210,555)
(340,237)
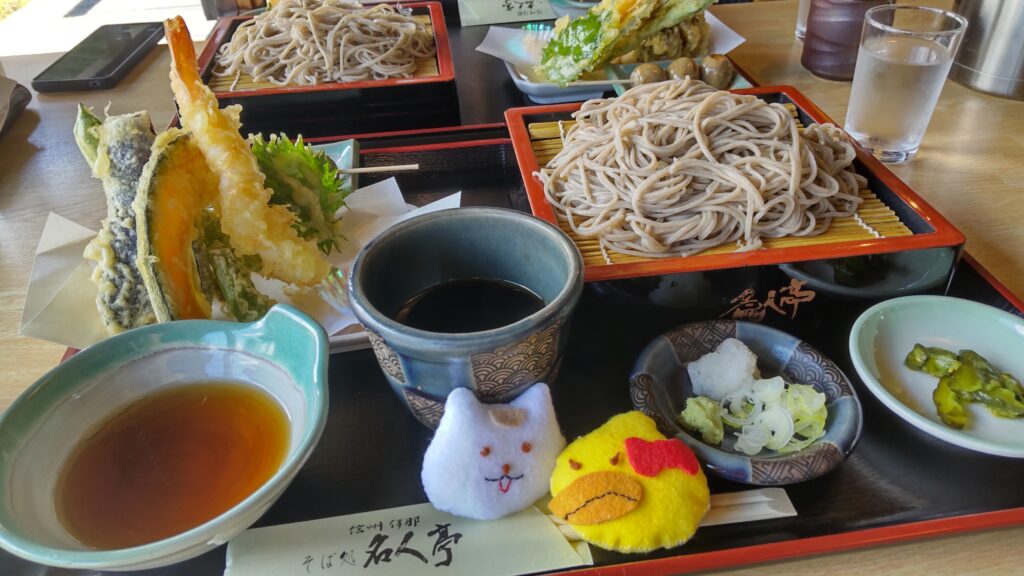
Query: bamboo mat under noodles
(874,215)
(426,67)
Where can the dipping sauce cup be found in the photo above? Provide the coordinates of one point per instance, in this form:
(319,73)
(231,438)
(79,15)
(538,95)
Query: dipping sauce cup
(416,256)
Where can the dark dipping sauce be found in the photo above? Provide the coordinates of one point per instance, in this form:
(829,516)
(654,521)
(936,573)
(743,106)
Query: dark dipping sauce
(468,305)
(170,462)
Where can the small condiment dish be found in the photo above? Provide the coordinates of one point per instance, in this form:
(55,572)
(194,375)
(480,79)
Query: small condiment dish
(284,354)
(884,334)
(660,385)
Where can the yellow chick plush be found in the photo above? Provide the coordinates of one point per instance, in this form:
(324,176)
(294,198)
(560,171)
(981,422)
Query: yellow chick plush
(625,487)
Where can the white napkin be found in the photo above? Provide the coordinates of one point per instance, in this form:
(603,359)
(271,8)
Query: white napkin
(405,541)
(61,302)
(748,506)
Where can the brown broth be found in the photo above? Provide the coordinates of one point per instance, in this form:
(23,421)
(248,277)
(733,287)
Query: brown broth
(170,462)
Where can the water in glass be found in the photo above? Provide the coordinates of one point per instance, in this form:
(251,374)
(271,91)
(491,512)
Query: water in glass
(896,86)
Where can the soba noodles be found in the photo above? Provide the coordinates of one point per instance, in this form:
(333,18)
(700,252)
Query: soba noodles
(309,42)
(674,168)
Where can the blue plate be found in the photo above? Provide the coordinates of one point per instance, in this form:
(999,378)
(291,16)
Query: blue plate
(660,385)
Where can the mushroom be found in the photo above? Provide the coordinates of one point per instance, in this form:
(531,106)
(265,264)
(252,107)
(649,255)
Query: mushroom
(682,67)
(646,74)
(717,71)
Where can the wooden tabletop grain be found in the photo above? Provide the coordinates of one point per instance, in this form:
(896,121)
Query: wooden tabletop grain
(971,167)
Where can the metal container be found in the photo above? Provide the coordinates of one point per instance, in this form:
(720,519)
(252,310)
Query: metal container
(991,56)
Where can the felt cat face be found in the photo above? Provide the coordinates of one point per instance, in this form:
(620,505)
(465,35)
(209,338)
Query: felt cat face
(490,460)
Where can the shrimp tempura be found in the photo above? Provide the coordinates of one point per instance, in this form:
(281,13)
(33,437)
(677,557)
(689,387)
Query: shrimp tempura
(253,226)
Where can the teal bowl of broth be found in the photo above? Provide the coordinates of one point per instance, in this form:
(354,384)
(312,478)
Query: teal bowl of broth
(476,298)
(161,443)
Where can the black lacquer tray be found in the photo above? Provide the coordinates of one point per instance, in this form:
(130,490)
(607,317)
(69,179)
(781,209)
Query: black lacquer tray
(898,483)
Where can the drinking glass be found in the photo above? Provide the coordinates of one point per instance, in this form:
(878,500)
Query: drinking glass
(905,55)
(801,18)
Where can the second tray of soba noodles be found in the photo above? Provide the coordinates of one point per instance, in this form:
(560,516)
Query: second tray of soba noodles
(676,176)
(314,45)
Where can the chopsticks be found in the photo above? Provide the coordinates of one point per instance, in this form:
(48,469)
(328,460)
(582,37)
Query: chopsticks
(372,169)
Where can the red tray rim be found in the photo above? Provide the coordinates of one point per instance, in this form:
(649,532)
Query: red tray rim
(945,234)
(445,65)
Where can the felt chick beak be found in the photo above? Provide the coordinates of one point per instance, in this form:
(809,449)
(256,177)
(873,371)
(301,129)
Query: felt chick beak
(601,496)
(597,497)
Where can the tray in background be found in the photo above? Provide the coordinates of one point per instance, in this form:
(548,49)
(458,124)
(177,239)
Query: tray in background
(426,100)
(226,85)
(892,208)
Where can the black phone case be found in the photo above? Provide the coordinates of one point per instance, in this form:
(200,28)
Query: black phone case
(101,82)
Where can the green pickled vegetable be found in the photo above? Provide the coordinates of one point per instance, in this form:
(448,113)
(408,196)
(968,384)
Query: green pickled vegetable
(951,409)
(1000,392)
(937,362)
(966,378)
(703,415)
(916,358)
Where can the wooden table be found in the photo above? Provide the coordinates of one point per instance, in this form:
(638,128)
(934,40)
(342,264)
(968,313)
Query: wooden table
(969,168)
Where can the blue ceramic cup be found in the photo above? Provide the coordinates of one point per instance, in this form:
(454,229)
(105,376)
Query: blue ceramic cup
(466,243)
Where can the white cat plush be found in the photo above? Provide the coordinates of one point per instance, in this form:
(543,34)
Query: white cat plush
(490,460)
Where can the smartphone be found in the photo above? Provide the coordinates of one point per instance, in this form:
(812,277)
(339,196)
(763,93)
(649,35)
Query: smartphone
(101,60)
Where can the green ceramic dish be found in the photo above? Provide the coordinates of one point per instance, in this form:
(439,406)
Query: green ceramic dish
(285,354)
(886,332)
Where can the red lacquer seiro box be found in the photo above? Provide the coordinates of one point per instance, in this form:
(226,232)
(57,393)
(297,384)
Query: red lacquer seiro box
(895,218)
(393,104)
